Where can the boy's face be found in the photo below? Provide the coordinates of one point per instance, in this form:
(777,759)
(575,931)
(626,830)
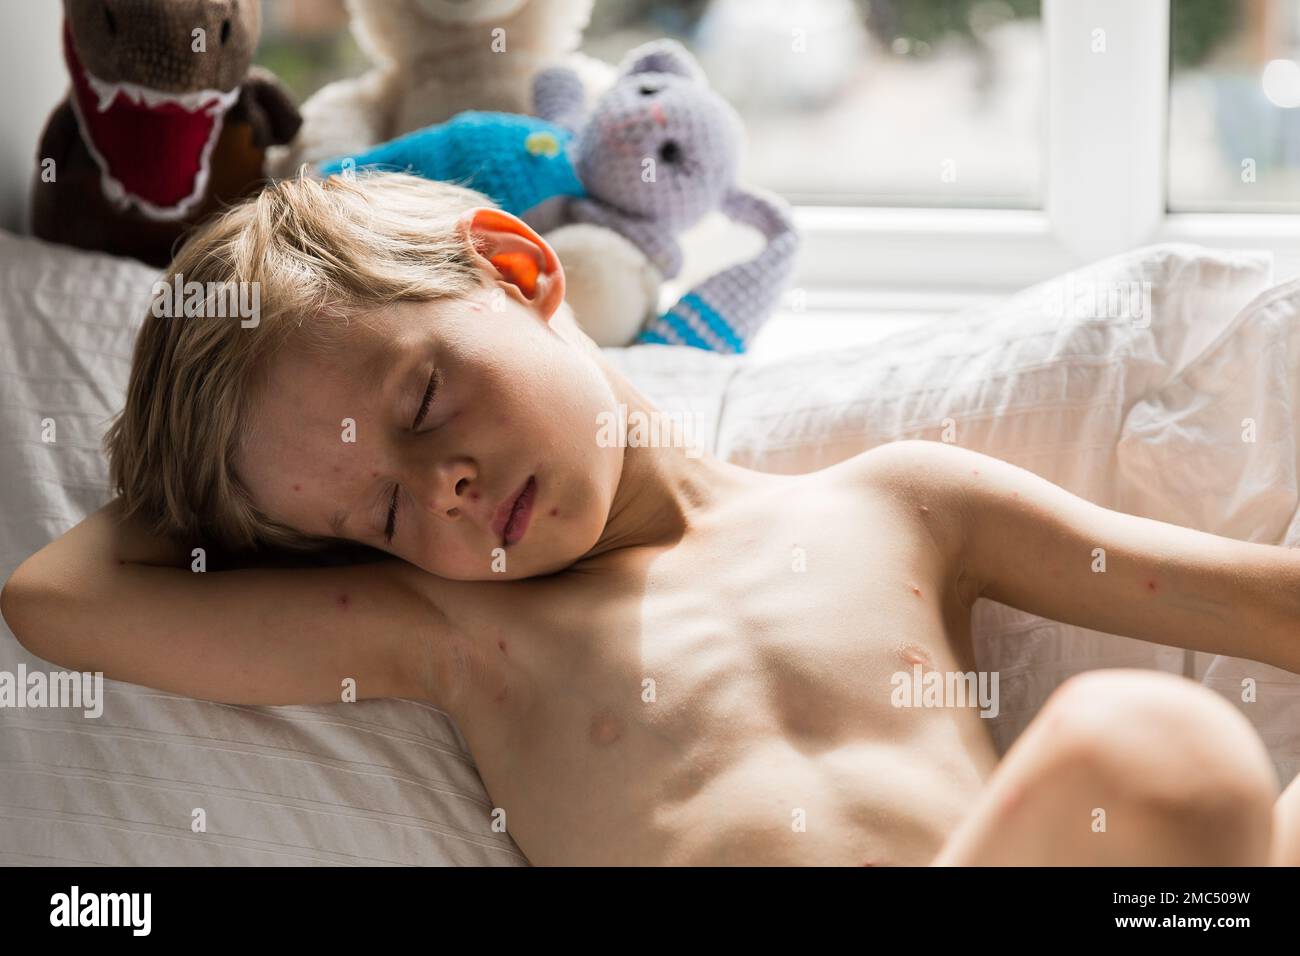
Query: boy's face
(499,477)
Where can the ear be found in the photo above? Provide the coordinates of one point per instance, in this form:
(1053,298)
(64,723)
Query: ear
(661,56)
(507,249)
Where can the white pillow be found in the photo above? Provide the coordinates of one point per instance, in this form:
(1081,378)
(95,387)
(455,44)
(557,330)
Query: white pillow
(1023,379)
(1038,380)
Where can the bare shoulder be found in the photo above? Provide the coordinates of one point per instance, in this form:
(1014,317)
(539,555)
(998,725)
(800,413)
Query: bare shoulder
(927,477)
(915,462)
(935,486)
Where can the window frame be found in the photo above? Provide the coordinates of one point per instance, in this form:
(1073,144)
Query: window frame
(1104,189)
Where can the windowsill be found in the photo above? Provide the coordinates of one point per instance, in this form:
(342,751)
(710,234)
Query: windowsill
(836,319)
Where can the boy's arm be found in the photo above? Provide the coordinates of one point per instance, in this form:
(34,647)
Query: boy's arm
(1026,542)
(107,596)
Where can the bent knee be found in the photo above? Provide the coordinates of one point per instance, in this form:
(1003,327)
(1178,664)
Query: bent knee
(1159,741)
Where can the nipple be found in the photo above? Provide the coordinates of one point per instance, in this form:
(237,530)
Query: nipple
(915,654)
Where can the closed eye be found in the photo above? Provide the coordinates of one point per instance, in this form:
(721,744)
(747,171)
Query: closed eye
(391,526)
(429,393)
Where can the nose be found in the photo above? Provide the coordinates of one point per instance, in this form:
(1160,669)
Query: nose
(452,487)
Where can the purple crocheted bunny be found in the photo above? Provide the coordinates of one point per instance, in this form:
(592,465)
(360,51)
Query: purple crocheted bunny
(660,151)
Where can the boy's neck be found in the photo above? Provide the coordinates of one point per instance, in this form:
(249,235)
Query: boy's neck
(663,491)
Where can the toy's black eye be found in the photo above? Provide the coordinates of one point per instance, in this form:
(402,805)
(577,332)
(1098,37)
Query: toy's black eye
(225,31)
(670,152)
(648,90)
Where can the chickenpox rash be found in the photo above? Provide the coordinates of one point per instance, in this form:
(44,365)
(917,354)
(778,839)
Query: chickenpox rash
(343,602)
(1012,798)
(502,646)
(473,496)
(925,510)
(916,590)
(555,512)
(605,728)
(975,472)
(1152,586)
(297,487)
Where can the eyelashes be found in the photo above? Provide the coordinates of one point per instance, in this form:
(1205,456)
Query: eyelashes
(435,377)
(430,392)
(391,526)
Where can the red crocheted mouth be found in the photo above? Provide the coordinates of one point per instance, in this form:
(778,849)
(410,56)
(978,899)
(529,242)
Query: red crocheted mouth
(152,147)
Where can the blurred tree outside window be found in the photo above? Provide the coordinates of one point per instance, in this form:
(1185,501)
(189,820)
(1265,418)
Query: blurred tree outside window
(307,44)
(1234,106)
(848,102)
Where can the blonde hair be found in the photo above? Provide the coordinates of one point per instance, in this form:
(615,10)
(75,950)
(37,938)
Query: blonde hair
(319,252)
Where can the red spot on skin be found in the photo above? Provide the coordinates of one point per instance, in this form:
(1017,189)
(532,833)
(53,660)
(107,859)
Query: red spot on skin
(502,646)
(374,474)
(344,601)
(974,471)
(554,512)
(501,694)
(916,590)
(297,487)
(121,560)
(867,863)
(924,510)
(605,728)
(1151,585)
(1015,494)
(337,469)
(1013,797)
(473,496)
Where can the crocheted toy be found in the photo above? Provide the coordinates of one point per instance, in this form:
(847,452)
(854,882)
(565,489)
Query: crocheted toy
(658,153)
(164,123)
(521,162)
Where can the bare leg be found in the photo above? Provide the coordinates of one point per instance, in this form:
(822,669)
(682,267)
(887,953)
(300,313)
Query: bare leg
(1126,768)
(1286,826)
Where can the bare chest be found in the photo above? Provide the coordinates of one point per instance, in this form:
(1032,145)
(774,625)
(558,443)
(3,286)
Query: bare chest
(705,697)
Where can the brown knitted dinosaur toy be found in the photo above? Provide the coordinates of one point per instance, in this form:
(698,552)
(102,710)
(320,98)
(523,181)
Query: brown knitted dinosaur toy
(165,123)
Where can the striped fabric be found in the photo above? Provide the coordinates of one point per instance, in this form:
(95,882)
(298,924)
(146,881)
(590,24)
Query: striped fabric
(726,310)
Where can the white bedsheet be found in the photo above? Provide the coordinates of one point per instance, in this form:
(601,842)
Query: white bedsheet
(1113,412)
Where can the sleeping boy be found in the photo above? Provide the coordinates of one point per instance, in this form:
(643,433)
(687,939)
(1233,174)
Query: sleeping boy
(655,657)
